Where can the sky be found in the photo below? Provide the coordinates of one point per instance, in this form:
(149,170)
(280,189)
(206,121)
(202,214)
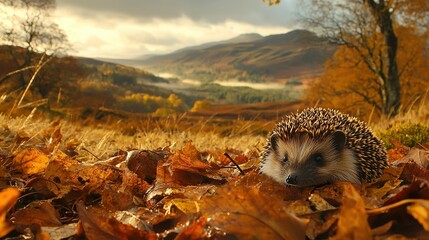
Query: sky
(133,28)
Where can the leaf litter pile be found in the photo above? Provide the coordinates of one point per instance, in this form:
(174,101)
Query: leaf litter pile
(190,194)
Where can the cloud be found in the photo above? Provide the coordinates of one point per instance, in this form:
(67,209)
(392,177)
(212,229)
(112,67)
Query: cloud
(126,39)
(250,11)
(114,29)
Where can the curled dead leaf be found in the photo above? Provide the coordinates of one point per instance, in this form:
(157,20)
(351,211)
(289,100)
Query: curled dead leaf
(420,211)
(144,162)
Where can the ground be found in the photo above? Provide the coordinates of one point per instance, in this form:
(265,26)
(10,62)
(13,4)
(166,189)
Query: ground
(170,178)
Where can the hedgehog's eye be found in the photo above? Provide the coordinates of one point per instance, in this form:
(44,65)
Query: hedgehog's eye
(285,158)
(318,158)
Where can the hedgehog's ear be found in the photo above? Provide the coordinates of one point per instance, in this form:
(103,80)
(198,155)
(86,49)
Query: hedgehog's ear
(339,138)
(274,139)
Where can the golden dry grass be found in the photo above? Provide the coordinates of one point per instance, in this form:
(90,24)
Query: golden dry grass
(102,140)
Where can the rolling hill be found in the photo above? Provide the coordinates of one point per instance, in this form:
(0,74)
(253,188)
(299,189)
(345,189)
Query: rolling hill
(296,55)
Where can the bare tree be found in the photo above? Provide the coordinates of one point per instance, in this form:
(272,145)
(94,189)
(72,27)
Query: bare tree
(31,37)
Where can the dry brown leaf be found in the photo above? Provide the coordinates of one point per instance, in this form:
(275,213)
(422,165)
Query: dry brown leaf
(161,193)
(191,151)
(398,151)
(383,229)
(30,161)
(131,217)
(374,197)
(320,223)
(38,212)
(53,135)
(420,211)
(298,207)
(121,194)
(319,203)
(144,162)
(69,174)
(8,198)
(333,193)
(241,209)
(419,156)
(352,220)
(181,170)
(194,231)
(418,189)
(186,206)
(62,232)
(98,225)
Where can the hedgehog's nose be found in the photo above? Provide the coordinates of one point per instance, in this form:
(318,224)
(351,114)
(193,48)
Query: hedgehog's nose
(292,179)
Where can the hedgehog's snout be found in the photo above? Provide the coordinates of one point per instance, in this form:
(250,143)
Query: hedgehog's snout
(292,179)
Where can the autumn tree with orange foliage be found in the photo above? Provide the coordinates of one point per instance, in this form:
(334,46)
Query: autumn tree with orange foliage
(381,57)
(371,72)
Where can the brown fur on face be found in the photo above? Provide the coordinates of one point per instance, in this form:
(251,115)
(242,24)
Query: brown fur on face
(303,166)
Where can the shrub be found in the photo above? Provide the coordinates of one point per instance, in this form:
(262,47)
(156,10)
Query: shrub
(408,134)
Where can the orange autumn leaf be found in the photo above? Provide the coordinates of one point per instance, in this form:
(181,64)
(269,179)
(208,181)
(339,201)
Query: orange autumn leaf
(194,231)
(98,224)
(352,220)
(8,198)
(420,211)
(31,161)
(38,212)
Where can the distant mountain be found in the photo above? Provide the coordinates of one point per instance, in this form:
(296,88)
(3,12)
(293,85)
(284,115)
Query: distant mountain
(243,38)
(298,54)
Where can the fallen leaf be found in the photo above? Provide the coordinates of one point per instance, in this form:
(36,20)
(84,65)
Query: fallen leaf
(319,203)
(241,209)
(38,212)
(374,197)
(8,198)
(98,224)
(420,211)
(53,135)
(396,209)
(131,217)
(180,170)
(186,206)
(298,207)
(383,229)
(334,193)
(159,191)
(352,219)
(61,232)
(320,223)
(144,163)
(30,161)
(419,156)
(68,174)
(193,231)
(418,189)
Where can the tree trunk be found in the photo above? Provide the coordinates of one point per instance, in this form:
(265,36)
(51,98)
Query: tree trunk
(392,86)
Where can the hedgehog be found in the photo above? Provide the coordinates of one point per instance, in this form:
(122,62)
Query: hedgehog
(318,146)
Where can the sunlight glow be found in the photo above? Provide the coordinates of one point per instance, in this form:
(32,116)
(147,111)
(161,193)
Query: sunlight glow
(118,37)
